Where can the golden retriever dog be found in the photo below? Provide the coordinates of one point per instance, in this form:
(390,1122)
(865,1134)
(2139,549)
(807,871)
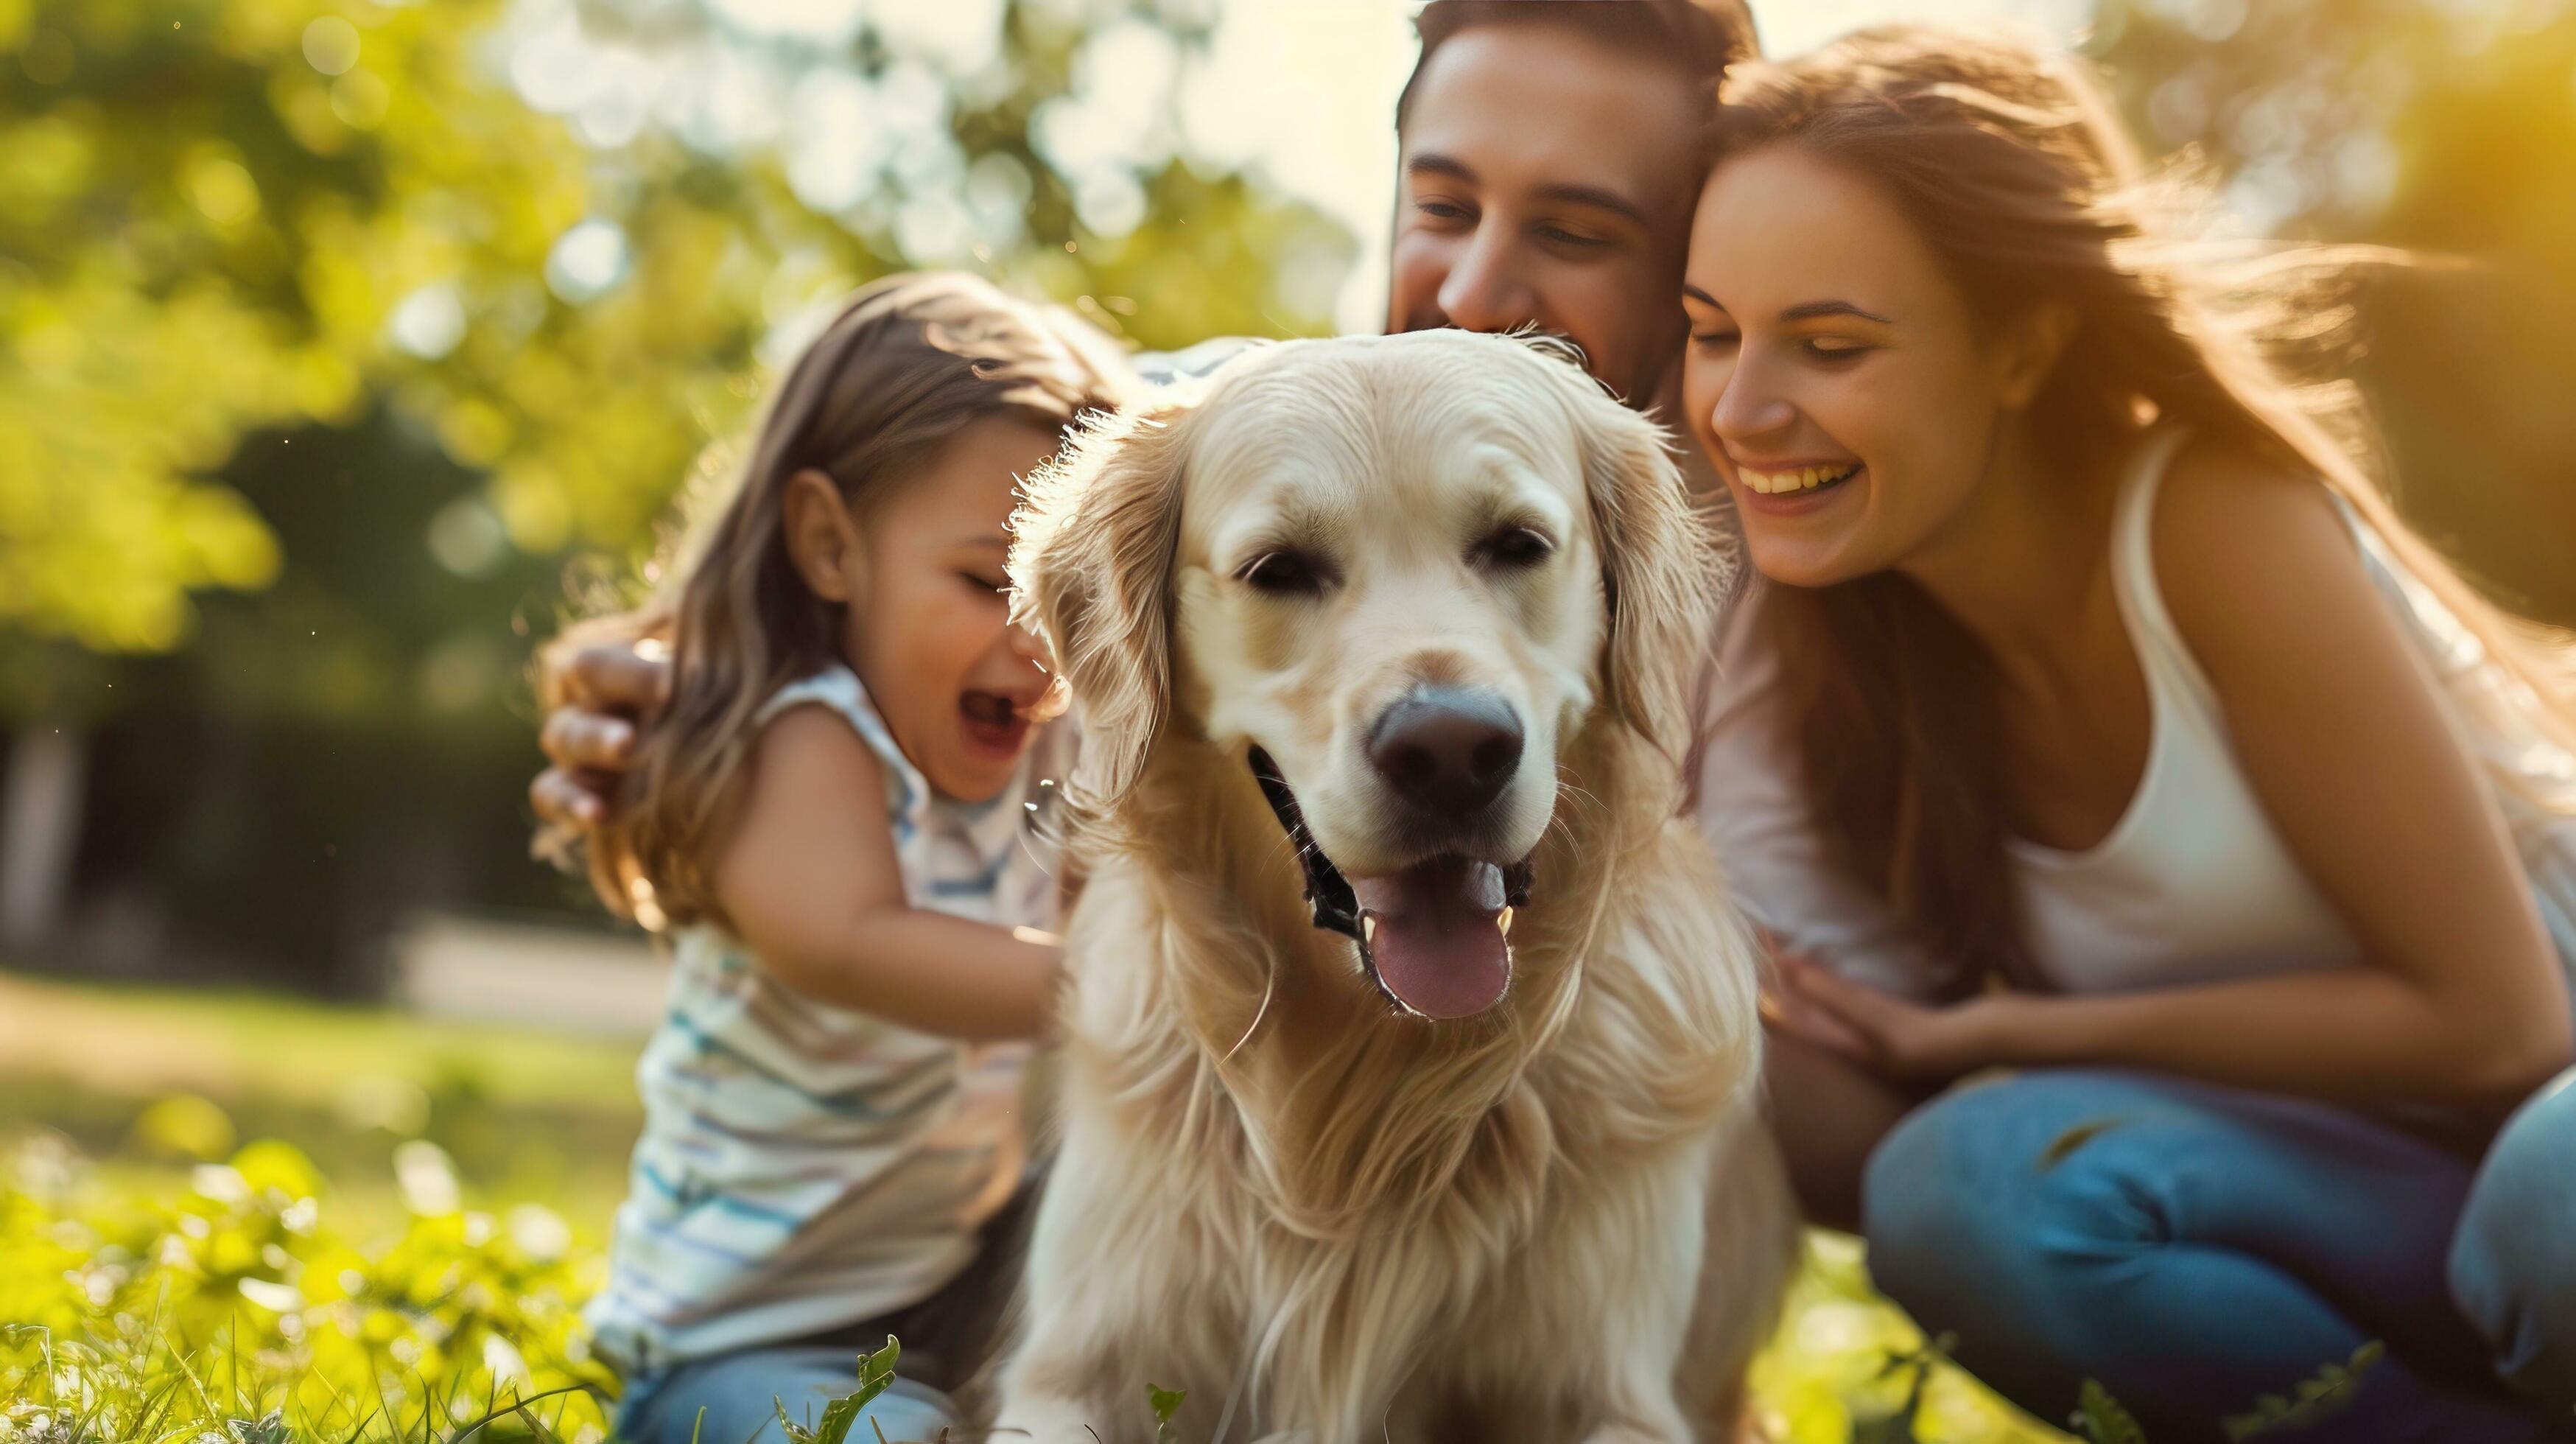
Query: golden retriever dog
(1410,1048)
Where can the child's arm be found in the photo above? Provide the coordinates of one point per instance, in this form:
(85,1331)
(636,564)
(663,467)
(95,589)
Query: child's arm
(809,880)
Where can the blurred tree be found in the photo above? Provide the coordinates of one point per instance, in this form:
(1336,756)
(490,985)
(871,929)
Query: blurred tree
(226,214)
(2447,127)
(373,312)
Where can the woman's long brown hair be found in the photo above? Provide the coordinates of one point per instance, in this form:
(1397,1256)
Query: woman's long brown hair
(907,364)
(2013,165)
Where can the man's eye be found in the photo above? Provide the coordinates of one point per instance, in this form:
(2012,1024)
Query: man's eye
(1283,574)
(1515,549)
(1442,210)
(1569,238)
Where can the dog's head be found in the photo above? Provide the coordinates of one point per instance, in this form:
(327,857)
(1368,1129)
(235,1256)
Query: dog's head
(1397,578)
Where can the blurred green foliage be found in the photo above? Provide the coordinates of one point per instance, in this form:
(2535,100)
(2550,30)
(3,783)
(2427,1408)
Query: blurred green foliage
(226,219)
(2444,127)
(151,1081)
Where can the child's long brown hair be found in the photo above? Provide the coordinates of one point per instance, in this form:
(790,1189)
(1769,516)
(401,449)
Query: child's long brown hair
(2013,165)
(908,363)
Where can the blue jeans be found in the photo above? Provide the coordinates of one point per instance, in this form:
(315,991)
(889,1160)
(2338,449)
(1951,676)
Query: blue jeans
(2194,1248)
(736,1391)
(946,1338)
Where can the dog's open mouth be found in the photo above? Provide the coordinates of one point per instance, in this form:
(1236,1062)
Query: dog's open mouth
(1434,937)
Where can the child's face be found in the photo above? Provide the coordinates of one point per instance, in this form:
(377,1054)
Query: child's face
(929,632)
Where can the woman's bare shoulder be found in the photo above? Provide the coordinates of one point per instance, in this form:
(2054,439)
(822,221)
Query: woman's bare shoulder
(2253,556)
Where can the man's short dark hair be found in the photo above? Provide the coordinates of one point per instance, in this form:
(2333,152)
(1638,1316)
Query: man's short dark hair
(1700,38)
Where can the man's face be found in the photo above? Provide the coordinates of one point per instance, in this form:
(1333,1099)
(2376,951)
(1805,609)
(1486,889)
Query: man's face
(1547,180)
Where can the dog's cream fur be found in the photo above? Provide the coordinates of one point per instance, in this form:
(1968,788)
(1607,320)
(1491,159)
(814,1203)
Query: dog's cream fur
(1325,1218)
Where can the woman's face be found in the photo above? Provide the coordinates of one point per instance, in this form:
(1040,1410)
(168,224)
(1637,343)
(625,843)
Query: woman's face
(1834,375)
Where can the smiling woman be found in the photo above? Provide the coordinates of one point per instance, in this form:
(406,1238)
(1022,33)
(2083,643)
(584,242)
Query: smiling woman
(2117,687)
(1824,347)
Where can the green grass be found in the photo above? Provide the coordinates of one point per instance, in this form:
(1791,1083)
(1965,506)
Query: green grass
(232,1305)
(145,1083)
(257,1043)
(276,1222)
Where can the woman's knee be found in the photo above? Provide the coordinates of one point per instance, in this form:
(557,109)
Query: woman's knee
(2513,1262)
(1982,1189)
(1918,1190)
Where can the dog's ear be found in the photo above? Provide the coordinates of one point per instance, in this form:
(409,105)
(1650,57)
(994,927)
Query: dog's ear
(1662,571)
(1091,573)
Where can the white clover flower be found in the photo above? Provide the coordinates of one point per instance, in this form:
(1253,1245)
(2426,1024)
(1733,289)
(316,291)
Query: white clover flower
(29,1424)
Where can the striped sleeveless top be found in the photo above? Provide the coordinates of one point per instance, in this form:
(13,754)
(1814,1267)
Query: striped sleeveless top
(804,1166)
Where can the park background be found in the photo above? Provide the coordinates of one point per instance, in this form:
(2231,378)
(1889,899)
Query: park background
(344,344)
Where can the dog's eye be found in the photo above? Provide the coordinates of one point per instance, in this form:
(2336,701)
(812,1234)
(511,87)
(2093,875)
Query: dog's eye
(1514,548)
(1287,574)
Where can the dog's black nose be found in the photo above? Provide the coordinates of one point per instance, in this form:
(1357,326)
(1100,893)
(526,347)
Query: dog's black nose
(1447,750)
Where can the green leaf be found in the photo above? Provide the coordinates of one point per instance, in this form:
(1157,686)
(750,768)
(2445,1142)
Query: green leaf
(876,1371)
(838,1416)
(2099,1418)
(876,1375)
(1166,1403)
(2329,1389)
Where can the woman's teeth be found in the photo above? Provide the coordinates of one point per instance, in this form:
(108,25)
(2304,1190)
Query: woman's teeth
(1805,478)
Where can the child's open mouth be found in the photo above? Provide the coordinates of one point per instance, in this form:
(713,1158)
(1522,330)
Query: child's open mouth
(993,722)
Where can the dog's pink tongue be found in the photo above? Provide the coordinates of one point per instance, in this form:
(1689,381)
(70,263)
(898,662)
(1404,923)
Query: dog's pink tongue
(1435,933)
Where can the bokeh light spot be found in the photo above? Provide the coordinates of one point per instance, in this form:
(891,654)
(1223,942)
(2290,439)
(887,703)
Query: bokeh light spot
(331,45)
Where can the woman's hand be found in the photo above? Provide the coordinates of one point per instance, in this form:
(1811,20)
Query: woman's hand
(1897,1038)
(607,690)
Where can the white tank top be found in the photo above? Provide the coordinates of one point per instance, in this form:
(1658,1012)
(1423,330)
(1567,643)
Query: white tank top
(2193,883)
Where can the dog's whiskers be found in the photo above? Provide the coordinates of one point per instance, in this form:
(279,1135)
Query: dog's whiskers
(1576,792)
(1269,985)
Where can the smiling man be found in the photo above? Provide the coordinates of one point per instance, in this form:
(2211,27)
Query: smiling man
(1548,166)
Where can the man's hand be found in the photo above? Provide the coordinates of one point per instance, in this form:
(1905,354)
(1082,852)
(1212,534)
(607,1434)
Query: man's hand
(604,693)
